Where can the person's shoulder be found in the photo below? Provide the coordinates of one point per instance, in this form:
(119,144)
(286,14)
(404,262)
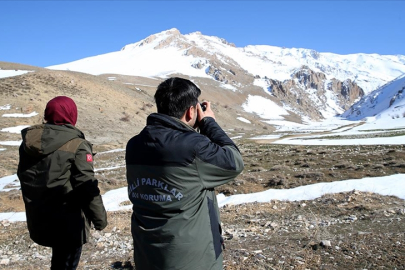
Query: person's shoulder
(75,145)
(195,138)
(132,142)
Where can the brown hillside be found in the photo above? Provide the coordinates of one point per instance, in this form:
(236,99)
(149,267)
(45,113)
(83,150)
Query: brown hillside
(112,108)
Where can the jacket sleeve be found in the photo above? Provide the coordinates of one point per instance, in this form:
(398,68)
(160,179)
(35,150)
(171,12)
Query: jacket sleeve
(86,188)
(221,159)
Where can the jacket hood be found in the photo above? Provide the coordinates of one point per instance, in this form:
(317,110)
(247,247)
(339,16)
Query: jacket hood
(47,138)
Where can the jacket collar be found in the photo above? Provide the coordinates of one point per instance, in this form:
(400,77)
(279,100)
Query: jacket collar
(167,121)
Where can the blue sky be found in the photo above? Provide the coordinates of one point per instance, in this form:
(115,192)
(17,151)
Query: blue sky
(44,33)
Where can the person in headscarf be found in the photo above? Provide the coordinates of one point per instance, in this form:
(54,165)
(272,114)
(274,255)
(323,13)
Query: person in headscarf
(58,185)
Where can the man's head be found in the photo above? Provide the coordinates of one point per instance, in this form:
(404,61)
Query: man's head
(175,96)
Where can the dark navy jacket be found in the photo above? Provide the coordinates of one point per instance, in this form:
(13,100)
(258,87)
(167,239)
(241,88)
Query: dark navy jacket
(172,171)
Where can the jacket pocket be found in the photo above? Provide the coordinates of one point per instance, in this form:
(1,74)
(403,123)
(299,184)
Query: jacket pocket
(215,228)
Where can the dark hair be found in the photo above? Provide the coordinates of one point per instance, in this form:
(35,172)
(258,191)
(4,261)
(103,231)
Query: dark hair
(175,95)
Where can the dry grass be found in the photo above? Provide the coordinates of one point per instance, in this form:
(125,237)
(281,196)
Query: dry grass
(364,230)
(286,166)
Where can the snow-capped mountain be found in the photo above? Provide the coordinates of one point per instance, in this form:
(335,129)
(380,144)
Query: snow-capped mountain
(309,83)
(388,101)
(169,51)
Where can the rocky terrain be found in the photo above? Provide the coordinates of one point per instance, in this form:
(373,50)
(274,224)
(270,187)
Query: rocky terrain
(306,91)
(352,230)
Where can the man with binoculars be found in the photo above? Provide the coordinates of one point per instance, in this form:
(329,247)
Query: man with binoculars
(172,171)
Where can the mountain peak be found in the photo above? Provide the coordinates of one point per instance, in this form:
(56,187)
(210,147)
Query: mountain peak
(173,33)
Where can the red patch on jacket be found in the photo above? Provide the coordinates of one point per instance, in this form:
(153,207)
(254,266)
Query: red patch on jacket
(89,158)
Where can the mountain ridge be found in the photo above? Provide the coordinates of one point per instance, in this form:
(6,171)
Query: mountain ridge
(308,84)
(341,80)
(267,59)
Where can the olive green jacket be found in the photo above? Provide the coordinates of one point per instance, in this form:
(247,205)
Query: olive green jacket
(60,192)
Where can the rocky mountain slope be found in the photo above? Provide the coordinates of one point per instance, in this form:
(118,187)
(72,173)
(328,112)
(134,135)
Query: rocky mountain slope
(388,100)
(305,82)
(310,92)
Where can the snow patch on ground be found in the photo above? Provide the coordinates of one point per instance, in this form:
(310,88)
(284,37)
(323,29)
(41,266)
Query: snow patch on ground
(16,129)
(264,108)
(244,120)
(5,107)
(12,73)
(20,115)
(11,143)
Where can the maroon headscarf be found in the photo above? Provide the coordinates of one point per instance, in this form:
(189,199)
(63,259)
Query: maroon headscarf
(61,111)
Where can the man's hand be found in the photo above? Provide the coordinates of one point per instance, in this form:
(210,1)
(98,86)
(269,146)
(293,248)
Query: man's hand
(207,113)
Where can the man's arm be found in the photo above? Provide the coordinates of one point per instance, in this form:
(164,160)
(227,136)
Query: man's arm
(222,161)
(209,127)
